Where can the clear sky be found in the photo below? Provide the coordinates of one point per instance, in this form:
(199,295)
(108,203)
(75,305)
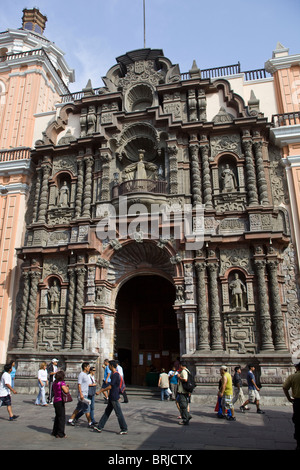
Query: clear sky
(214,33)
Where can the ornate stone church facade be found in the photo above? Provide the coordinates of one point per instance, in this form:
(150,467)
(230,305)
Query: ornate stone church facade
(108,269)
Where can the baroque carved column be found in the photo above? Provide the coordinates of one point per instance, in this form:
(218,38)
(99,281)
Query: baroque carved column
(261,177)
(206,178)
(70,310)
(78,314)
(215,320)
(46,170)
(79,192)
(172,153)
(23,314)
(203,323)
(250,171)
(30,321)
(37,194)
(276,313)
(196,177)
(105,158)
(87,193)
(265,320)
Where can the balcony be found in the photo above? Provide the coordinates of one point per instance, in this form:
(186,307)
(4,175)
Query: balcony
(140,186)
(141,191)
(286,119)
(286,128)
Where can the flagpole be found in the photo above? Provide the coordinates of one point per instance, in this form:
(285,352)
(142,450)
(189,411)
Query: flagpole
(144,24)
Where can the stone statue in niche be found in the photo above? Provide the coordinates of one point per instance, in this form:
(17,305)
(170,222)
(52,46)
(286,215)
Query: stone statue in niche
(179,294)
(141,173)
(54,297)
(64,195)
(229,180)
(141,170)
(237,289)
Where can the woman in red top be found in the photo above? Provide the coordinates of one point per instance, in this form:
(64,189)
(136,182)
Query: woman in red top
(59,405)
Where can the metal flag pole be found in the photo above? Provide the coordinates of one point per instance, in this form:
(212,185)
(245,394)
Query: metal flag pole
(144,23)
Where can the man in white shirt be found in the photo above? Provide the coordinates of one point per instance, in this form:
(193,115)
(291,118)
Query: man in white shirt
(83,405)
(5,391)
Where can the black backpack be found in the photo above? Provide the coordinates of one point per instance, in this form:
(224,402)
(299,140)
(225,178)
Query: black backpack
(189,385)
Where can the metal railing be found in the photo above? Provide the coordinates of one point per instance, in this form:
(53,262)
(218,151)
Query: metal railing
(286,119)
(140,186)
(214,72)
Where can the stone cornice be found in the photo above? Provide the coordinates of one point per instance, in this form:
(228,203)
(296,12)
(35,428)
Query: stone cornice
(273,65)
(286,135)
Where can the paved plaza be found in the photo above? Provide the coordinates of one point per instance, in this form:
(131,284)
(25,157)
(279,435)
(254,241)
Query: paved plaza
(152,426)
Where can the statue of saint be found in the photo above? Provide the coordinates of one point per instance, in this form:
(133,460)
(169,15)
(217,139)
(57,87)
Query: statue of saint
(64,194)
(229,180)
(140,173)
(54,297)
(237,290)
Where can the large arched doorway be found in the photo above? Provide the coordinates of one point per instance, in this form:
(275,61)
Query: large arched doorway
(147,336)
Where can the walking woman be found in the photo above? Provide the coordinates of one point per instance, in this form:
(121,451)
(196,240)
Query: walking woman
(59,385)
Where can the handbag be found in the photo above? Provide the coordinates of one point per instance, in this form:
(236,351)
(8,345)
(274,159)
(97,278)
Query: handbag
(66,397)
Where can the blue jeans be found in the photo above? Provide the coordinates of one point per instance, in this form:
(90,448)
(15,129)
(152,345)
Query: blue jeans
(164,393)
(113,405)
(41,396)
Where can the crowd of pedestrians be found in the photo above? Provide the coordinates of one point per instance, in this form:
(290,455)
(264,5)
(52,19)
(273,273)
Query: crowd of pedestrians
(173,385)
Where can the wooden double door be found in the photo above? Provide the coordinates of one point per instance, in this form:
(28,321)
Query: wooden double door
(147,337)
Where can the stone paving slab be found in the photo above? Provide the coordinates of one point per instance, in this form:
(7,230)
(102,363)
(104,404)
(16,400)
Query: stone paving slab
(153,426)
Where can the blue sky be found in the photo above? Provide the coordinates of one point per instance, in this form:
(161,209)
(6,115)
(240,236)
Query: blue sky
(214,33)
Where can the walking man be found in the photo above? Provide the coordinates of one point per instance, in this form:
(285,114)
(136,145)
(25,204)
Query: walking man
(225,393)
(238,393)
(253,390)
(5,391)
(113,400)
(293,382)
(83,404)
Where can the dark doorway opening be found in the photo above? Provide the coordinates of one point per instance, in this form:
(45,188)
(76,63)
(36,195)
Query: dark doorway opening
(147,336)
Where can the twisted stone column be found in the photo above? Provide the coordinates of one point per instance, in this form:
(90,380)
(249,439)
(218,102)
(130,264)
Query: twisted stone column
(30,321)
(265,320)
(23,314)
(196,177)
(70,310)
(172,153)
(87,194)
(203,323)
(250,172)
(276,313)
(37,194)
(46,169)
(105,194)
(79,192)
(78,315)
(207,185)
(261,177)
(215,320)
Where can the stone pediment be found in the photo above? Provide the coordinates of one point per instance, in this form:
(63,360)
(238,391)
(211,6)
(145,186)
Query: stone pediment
(141,66)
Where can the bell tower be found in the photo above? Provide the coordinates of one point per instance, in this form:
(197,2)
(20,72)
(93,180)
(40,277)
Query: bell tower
(30,83)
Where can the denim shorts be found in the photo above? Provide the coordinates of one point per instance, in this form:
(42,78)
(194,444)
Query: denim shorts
(5,401)
(84,407)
